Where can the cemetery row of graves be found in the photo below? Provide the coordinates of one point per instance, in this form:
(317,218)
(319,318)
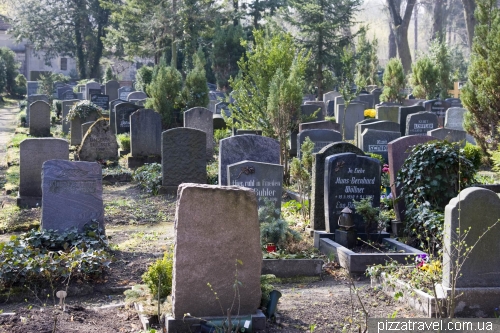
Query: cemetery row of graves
(380,187)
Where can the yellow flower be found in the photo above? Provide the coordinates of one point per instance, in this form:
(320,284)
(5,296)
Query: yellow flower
(370,113)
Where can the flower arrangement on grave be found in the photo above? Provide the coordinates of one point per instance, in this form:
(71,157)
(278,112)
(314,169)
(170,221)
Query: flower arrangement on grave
(82,110)
(370,113)
(384,178)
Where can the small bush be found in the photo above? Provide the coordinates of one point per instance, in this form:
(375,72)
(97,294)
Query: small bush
(149,177)
(159,274)
(83,109)
(57,106)
(20,85)
(275,230)
(474,154)
(123,141)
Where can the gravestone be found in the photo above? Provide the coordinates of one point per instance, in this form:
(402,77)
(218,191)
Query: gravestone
(246,147)
(320,105)
(136,95)
(202,119)
(139,102)
(353,115)
(111,89)
(478,283)
(265,179)
(374,141)
(198,261)
(379,125)
(330,96)
(32,88)
(145,137)
(103,89)
(357,132)
(122,117)
(330,108)
(320,137)
(367,98)
(32,154)
(183,158)
(98,143)
(92,88)
(66,106)
(376,96)
(222,107)
(112,117)
(218,122)
(404,112)
(72,195)
(308,111)
(349,177)
(448,134)
(248,131)
(454,118)
(61,91)
(76,127)
(68,95)
(421,122)
(387,112)
(86,126)
(318,180)
(322,124)
(101,101)
(454,102)
(40,119)
(439,107)
(124,91)
(31,99)
(91,92)
(398,151)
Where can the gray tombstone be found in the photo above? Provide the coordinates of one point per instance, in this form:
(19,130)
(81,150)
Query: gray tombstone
(320,137)
(320,105)
(111,89)
(92,88)
(322,124)
(61,91)
(222,107)
(31,99)
(235,225)
(387,112)
(40,119)
(318,180)
(98,143)
(376,96)
(136,95)
(357,131)
(32,88)
(398,151)
(69,95)
(330,108)
(454,102)
(353,115)
(404,112)
(218,122)
(420,123)
(122,117)
(379,125)
(478,282)
(183,157)
(265,179)
(85,127)
(76,127)
(349,177)
(439,107)
(306,110)
(375,141)
(145,133)
(72,195)
(448,134)
(32,154)
(100,100)
(367,98)
(454,118)
(246,147)
(124,91)
(112,118)
(330,96)
(66,106)
(248,131)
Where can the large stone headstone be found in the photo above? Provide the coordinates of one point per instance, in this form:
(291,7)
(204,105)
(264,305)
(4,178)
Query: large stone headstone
(197,261)
(92,88)
(145,133)
(32,154)
(315,106)
(420,123)
(246,147)
(439,107)
(376,96)
(31,99)
(330,96)
(454,102)
(387,112)
(69,95)
(349,177)
(183,157)
(62,91)
(265,179)
(323,124)
(111,89)
(379,125)
(72,195)
(318,180)
(124,91)
(404,112)
(98,143)
(367,98)
(136,95)
(76,127)
(100,100)
(374,141)
(320,137)
(66,106)
(39,119)
(32,88)
(202,119)
(222,107)
(122,117)
(357,132)
(398,151)
(86,126)
(448,134)
(455,118)
(354,114)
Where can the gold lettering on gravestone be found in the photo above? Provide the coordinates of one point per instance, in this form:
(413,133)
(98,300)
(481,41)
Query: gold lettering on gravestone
(72,186)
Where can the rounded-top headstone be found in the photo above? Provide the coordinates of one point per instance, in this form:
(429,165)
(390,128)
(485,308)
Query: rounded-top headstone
(99,143)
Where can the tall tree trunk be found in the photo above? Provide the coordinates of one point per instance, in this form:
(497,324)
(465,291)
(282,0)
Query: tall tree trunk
(103,19)
(401,30)
(319,69)
(393,49)
(236,7)
(79,41)
(174,36)
(470,19)
(438,19)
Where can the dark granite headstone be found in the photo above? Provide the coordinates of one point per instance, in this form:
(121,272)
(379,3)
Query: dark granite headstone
(92,88)
(404,112)
(39,119)
(32,88)
(202,119)
(61,91)
(311,110)
(111,89)
(246,147)
(454,102)
(145,133)
(101,101)
(376,95)
(353,115)
(98,143)
(66,106)
(136,95)
(349,177)
(420,123)
(124,91)
(91,92)
(320,137)
(367,98)
(265,179)
(122,116)
(248,131)
(448,134)
(72,195)
(439,107)
(323,124)
(68,95)
(318,180)
(374,141)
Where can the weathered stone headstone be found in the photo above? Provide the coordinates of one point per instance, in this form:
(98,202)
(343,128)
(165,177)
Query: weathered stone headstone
(454,118)
(66,106)
(32,154)
(349,177)
(86,126)
(353,115)
(92,88)
(40,119)
(122,117)
(265,179)
(246,147)
(183,157)
(439,107)
(375,141)
(136,95)
(222,107)
(124,91)
(32,88)
(101,101)
(318,180)
(448,134)
(478,283)
(323,124)
(316,105)
(31,99)
(202,119)
(61,91)
(398,151)
(98,143)
(111,89)
(421,122)
(72,195)
(387,112)
(404,112)
(76,127)
(145,137)
(320,137)
(198,262)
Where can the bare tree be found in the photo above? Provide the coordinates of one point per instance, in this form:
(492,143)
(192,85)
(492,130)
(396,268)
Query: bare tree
(470,19)
(400,28)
